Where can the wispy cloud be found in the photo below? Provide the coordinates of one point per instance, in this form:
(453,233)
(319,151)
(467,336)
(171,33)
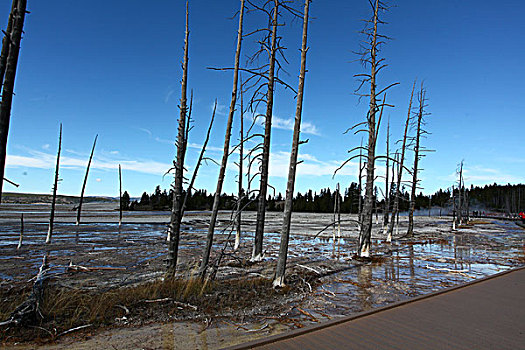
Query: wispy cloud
(46,146)
(168,95)
(481,175)
(42,160)
(221,109)
(145,130)
(288,124)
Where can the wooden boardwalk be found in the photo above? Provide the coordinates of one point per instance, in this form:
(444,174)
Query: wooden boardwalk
(484,314)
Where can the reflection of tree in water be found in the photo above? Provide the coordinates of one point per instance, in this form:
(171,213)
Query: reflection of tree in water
(364,280)
(461,252)
(411,262)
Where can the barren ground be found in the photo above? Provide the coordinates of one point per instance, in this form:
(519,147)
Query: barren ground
(325,278)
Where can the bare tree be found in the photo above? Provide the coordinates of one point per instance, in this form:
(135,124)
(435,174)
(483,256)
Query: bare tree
(10,54)
(6,42)
(199,160)
(55,186)
(397,195)
(417,156)
(370,57)
(120,195)
(458,207)
(257,253)
(240,194)
(226,151)
(79,209)
(21,231)
(176,211)
(387,178)
(287,216)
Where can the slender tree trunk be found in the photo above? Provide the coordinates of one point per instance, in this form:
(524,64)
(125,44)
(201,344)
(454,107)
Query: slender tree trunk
(366,216)
(410,231)
(387,178)
(338,211)
(85,181)
(226,150)
(55,186)
(9,80)
(120,195)
(454,209)
(199,161)
(397,194)
(460,206)
(257,253)
(6,42)
(240,194)
(21,231)
(287,216)
(360,187)
(176,211)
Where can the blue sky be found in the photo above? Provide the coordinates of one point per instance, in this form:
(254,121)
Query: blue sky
(112,68)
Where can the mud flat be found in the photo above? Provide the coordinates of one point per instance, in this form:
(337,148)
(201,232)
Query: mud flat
(326,279)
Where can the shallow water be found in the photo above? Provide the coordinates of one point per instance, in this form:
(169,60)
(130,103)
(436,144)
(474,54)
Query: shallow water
(433,260)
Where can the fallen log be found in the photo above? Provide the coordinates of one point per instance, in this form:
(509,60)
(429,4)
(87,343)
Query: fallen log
(29,311)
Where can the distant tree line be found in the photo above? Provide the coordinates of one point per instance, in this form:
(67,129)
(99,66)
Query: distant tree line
(502,198)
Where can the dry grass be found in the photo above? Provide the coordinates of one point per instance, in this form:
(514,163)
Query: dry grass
(65,308)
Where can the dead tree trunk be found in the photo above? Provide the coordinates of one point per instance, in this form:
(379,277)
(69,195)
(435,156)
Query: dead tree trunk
(226,151)
(176,211)
(397,195)
(287,216)
(199,161)
(415,170)
(6,42)
(366,215)
(257,253)
(55,186)
(387,178)
(85,181)
(360,186)
(21,231)
(240,194)
(460,206)
(13,40)
(120,195)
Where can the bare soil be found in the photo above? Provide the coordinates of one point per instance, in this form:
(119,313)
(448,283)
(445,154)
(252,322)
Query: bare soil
(120,269)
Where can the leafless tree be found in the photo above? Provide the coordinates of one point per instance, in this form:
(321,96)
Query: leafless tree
(398,194)
(55,186)
(240,193)
(21,231)
(226,150)
(257,253)
(287,216)
(120,195)
(6,42)
(370,58)
(176,211)
(418,153)
(9,60)
(199,160)
(387,178)
(79,209)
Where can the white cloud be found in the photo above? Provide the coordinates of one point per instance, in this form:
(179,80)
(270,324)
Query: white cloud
(43,160)
(481,175)
(221,109)
(288,124)
(145,130)
(98,179)
(168,95)
(46,146)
